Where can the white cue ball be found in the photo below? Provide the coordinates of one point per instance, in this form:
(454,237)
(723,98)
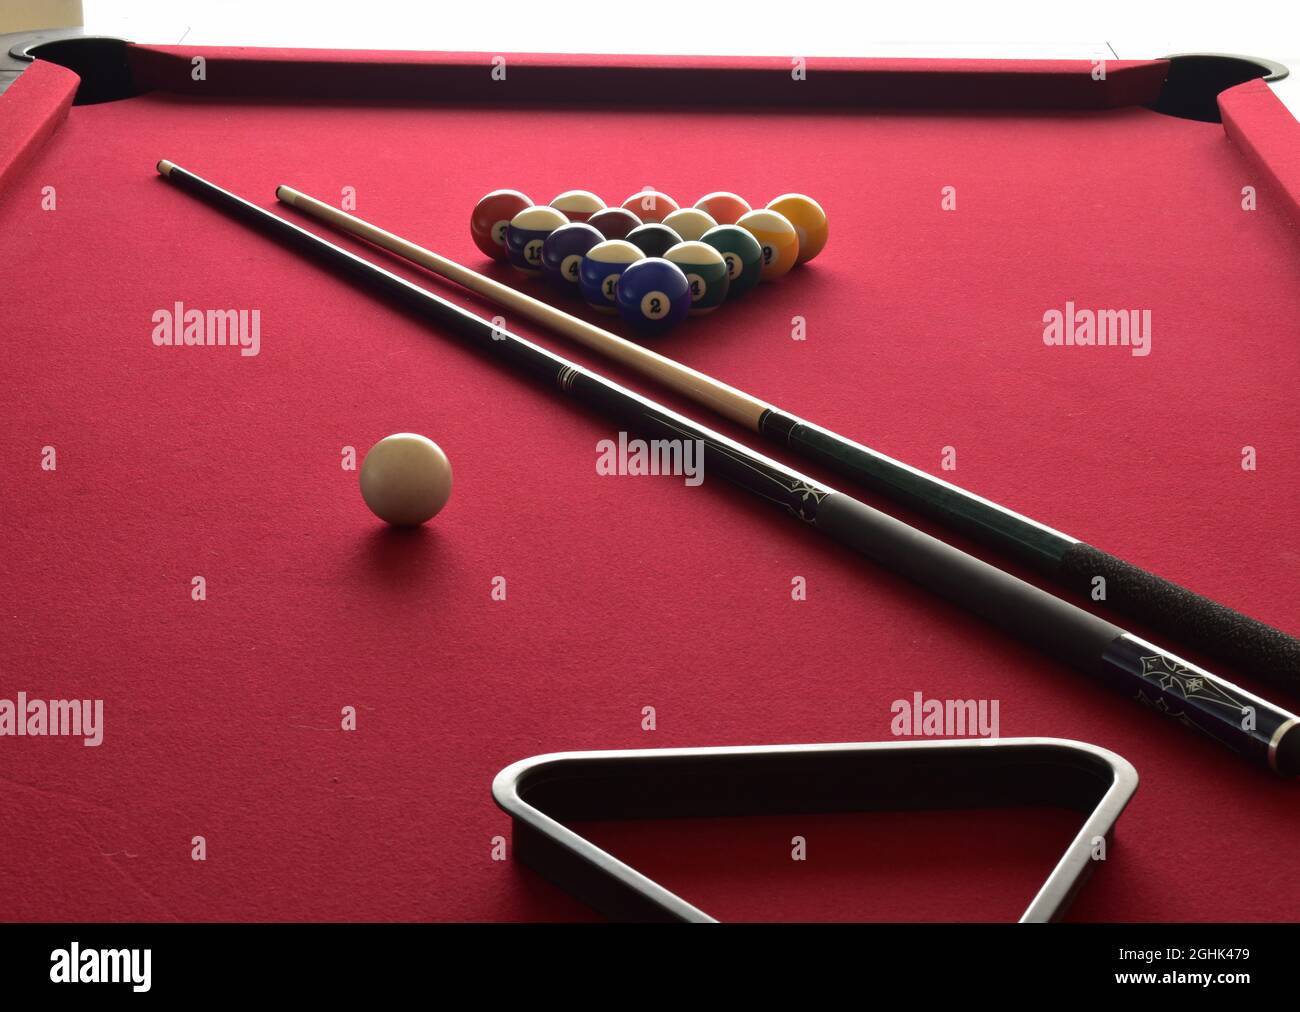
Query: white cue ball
(405,479)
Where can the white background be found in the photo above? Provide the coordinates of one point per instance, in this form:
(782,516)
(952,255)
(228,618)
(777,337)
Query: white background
(759,27)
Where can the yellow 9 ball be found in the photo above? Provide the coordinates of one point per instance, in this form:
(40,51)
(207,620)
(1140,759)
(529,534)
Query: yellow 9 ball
(777,238)
(808,219)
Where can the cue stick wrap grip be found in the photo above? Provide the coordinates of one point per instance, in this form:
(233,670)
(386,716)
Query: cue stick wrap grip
(1054,625)
(1239,640)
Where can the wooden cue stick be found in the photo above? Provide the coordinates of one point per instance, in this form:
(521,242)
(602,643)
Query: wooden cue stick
(725,400)
(1169,608)
(1245,723)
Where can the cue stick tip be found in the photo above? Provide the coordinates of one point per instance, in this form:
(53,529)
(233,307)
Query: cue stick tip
(287,194)
(165,167)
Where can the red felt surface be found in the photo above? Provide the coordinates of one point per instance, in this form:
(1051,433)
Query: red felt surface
(36,106)
(923,331)
(1265,131)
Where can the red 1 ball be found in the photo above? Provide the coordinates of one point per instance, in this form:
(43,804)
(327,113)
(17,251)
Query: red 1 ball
(491,216)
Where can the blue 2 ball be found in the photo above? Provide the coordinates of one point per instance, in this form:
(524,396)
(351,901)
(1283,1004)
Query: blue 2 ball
(653,296)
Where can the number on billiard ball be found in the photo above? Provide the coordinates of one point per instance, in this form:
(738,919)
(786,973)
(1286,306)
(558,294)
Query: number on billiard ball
(491,217)
(778,238)
(743,254)
(653,295)
(563,250)
(706,272)
(526,233)
(600,270)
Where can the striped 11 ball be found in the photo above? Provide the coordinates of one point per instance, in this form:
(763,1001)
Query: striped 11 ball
(525,234)
(491,216)
(706,273)
(778,239)
(599,272)
(563,250)
(653,296)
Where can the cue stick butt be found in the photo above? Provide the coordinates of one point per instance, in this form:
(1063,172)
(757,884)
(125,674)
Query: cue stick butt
(1286,754)
(1219,631)
(1031,614)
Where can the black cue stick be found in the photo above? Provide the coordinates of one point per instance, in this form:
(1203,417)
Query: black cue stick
(1264,733)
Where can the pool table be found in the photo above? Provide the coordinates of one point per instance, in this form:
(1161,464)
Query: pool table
(185,539)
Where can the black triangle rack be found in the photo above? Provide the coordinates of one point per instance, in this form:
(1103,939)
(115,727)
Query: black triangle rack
(544,792)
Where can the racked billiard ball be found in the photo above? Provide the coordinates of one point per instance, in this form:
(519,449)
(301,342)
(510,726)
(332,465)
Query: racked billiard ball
(725,208)
(405,479)
(653,296)
(600,270)
(614,222)
(743,254)
(778,239)
(525,234)
(653,239)
(690,223)
(578,205)
(563,250)
(650,205)
(491,216)
(706,273)
(808,219)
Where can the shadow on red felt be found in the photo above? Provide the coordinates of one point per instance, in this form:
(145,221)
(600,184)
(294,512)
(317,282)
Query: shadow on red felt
(983,865)
(399,557)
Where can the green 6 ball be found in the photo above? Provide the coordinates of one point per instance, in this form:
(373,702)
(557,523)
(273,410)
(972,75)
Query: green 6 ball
(743,254)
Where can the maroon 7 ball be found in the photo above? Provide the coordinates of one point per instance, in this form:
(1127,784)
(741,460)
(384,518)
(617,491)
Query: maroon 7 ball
(614,222)
(491,216)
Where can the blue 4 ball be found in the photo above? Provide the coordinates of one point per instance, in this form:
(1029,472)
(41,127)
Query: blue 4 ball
(653,295)
(563,250)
